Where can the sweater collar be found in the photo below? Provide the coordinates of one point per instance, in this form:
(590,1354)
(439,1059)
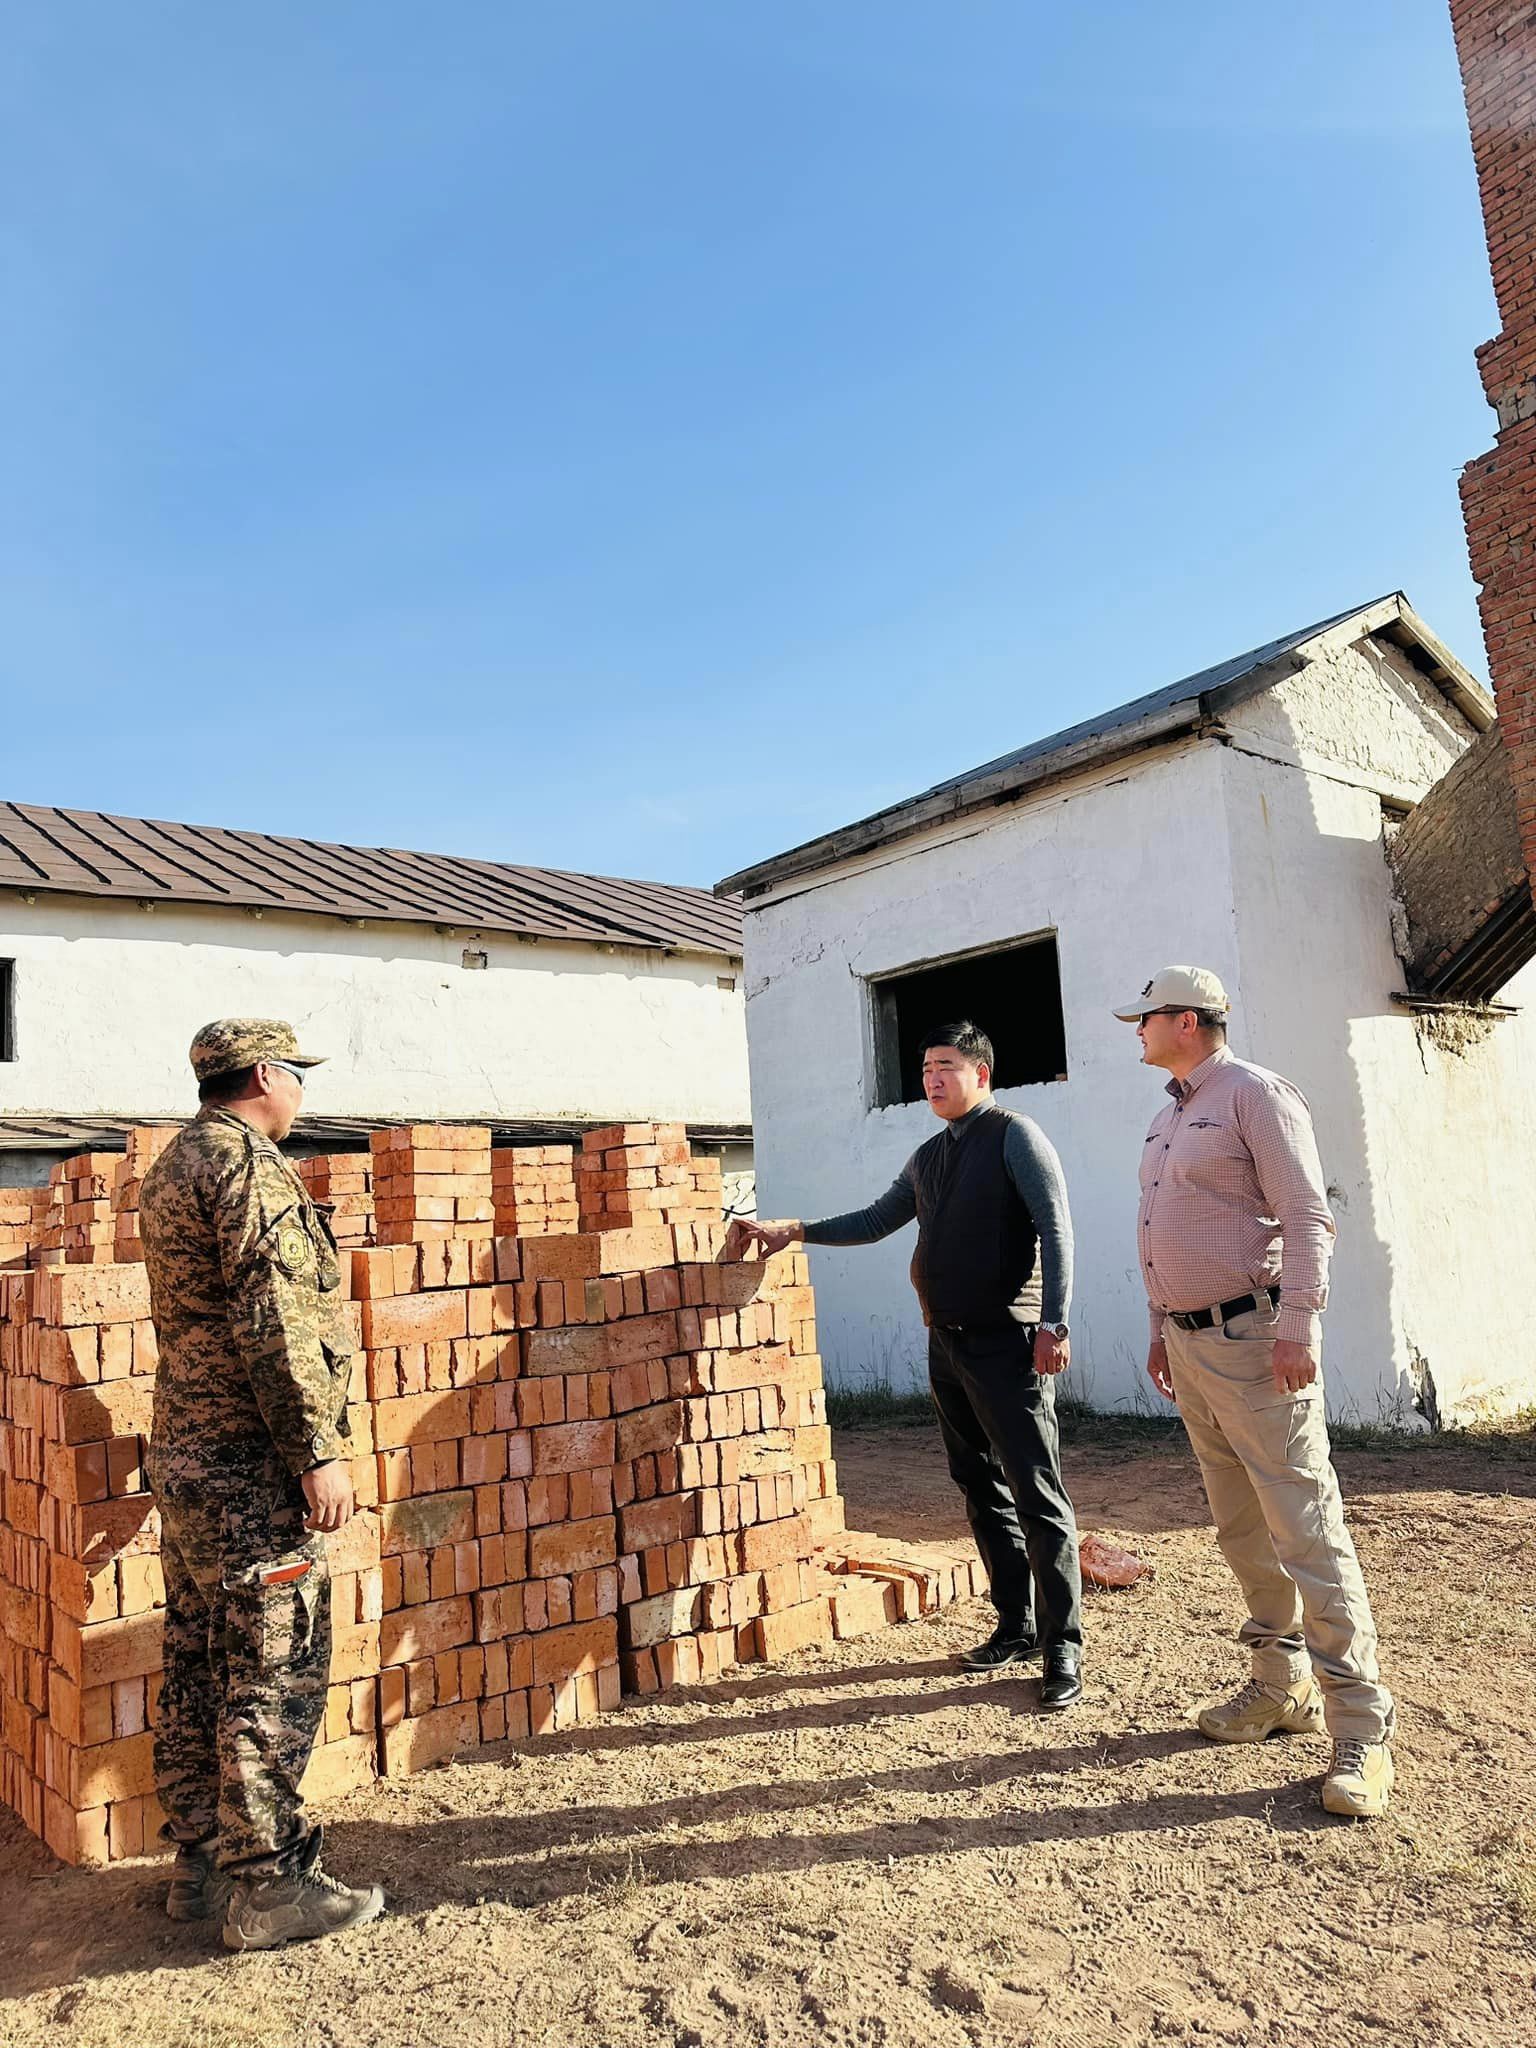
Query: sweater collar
(961,1124)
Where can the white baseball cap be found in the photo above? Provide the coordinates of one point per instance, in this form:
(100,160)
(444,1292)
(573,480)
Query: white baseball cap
(1176,988)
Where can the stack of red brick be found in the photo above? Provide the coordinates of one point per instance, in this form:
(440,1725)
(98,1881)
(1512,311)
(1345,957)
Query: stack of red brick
(534,1190)
(145,1144)
(80,1582)
(23,1213)
(342,1183)
(585,1463)
(79,1574)
(79,1230)
(432,1180)
(644,1173)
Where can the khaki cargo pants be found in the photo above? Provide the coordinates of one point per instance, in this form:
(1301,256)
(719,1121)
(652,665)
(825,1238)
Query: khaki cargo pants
(1279,1519)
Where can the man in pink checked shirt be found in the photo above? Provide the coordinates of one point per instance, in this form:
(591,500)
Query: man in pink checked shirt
(1235,1234)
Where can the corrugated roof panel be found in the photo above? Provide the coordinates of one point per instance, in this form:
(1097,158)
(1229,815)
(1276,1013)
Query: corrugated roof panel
(94,853)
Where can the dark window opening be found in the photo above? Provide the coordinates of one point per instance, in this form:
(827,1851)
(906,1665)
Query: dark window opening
(1014,995)
(7,1009)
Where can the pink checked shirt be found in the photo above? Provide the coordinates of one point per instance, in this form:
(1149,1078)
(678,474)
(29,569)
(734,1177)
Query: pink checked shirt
(1233,1197)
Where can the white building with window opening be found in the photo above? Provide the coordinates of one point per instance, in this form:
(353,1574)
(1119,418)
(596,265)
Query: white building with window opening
(1238,820)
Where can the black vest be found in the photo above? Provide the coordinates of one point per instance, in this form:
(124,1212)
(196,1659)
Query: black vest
(977,1244)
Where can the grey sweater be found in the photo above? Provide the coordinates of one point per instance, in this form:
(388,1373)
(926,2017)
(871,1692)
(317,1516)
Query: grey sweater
(1032,1165)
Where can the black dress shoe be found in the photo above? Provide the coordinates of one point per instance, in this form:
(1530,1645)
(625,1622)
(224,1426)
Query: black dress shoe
(1061,1681)
(1005,1645)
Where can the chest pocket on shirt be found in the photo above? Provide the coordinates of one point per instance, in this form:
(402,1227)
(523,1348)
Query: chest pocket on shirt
(1209,1152)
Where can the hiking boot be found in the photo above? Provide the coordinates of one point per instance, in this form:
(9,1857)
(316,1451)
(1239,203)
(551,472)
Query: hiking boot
(1007,1644)
(299,1904)
(199,1890)
(1260,1710)
(1359,1780)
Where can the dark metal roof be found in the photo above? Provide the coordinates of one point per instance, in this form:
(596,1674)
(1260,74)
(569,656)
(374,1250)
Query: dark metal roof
(70,1134)
(92,853)
(1163,715)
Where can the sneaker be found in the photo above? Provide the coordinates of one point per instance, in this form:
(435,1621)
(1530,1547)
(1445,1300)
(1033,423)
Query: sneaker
(1005,1645)
(199,1890)
(300,1904)
(1359,1780)
(1260,1710)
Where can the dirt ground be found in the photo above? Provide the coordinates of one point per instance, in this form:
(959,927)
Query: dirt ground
(865,1846)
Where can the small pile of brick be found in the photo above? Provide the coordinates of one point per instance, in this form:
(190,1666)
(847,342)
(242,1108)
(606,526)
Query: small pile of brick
(496,1531)
(80,1230)
(81,1590)
(637,1174)
(23,1213)
(80,1649)
(432,1180)
(534,1190)
(734,1487)
(342,1183)
(145,1144)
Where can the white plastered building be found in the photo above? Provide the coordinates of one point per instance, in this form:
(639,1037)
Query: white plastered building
(440,988)
(1237,820)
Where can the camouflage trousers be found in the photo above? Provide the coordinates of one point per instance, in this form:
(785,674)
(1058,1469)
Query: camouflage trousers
(247,1654)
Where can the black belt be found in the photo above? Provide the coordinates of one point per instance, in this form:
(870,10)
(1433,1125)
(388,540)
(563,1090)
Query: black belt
(1204,1318)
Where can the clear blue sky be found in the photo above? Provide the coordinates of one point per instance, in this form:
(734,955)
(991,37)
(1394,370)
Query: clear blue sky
(638,437)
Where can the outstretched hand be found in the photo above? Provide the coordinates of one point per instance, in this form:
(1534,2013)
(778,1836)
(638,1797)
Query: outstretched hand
(748,1236)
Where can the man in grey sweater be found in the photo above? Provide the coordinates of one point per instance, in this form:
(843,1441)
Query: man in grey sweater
(993,1272)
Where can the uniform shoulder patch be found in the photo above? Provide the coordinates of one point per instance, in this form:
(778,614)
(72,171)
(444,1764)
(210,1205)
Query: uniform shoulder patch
(293,1246)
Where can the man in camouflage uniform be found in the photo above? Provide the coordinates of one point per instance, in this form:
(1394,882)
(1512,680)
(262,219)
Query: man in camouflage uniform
(247,1460)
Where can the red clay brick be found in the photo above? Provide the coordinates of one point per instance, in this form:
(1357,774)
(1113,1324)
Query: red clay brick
(564,1547)
(414,1319)
(415,1632)
(563,1653)
(573,1447)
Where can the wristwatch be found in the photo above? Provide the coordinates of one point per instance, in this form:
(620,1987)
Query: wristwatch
(1055,1329)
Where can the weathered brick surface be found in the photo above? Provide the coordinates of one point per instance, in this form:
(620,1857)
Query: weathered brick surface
(1496,44)
(1457,858)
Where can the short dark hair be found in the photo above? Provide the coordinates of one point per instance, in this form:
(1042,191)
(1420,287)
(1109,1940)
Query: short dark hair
(966,1038)
(225,1087)
(1212,1020)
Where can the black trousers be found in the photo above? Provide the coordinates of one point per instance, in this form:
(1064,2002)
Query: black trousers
(997,1416)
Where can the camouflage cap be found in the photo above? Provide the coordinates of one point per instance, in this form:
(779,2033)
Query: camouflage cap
(235,1042)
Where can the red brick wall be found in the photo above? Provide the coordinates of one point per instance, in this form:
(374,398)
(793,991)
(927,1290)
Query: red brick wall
(1496,43)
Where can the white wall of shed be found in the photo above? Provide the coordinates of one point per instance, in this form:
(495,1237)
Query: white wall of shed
(109,995)
(1130,871)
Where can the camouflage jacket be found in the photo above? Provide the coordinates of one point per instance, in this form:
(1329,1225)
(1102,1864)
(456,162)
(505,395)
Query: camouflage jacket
(245,1292)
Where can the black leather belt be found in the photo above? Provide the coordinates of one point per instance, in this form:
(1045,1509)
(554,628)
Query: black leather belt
(1205,1318)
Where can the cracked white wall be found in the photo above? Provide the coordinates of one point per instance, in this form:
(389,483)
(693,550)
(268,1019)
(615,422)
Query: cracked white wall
(109,995)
